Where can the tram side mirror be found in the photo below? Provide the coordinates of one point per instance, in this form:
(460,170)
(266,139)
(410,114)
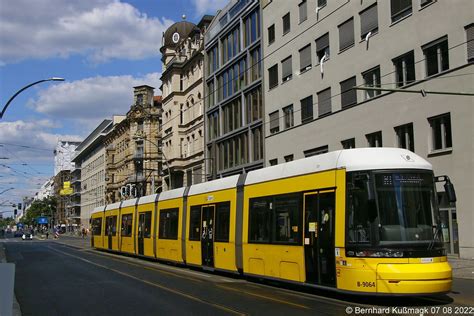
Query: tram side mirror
(450,192)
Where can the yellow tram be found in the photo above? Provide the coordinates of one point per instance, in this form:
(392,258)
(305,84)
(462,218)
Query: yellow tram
(360,221)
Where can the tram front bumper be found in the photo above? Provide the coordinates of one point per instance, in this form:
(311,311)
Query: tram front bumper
(414,278)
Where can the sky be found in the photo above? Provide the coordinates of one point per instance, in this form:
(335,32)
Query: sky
(103,48)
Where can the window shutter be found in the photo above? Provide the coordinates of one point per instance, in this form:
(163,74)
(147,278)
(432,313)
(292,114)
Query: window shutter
(303,6)
(286,68)
(346,34)
(470,42)
(305,58)
(398,6)
(273,76)
(368,20)
(322,42)
(324,102)
(348,95)
(274,121)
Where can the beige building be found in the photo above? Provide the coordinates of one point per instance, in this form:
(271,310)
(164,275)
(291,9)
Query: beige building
(88,177)
(182,90)
(315,55)
(133,162)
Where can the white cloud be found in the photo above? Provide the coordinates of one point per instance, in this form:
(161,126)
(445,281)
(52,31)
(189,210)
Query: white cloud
(98,29)
(91,100)
(209,6)
(36,138)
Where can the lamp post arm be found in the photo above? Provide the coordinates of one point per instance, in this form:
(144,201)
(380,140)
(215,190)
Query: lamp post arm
(23,89)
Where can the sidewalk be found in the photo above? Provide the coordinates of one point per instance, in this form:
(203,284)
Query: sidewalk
(462,268)
(16,311)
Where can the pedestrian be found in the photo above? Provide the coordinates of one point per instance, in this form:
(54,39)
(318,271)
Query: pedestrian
(47,234)
(83,233)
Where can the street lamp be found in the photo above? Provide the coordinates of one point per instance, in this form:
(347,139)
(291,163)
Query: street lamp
(6,190)
(138,138)
(24,88)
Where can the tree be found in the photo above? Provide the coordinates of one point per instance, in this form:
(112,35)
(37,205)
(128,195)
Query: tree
(45,207)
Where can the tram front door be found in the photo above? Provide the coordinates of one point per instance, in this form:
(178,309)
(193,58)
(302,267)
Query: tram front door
(319,238)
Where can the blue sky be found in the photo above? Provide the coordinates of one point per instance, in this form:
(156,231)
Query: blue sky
(101,47)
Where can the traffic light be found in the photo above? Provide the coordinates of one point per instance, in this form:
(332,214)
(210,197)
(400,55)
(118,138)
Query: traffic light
(133,191)
(127,191)
(123,191)
(15,212)
(19,206)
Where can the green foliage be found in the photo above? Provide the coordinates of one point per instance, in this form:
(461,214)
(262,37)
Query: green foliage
(45,207)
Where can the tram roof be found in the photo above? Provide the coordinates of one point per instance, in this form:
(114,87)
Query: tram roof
(215,185)
(349,159)
(98,209)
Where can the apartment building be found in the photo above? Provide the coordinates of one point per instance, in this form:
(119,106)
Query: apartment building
(133,159)
(233,90)
(182,92)
(88,177)
(315,52)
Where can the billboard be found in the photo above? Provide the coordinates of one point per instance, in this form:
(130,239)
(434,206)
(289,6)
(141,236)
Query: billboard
(42,220)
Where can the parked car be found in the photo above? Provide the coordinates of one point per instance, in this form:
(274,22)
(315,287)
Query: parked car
(18,233)
(27,236)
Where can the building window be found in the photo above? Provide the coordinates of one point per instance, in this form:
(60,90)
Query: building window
(287,69)
(436,56)
(286,23)
(324,102)
(322,47)
(307,109)
(230,45)
(213,59)
(273,76)
(346,34)
(470,42)
(274,122)
(404,69)
(400,9)
(233,152)
(273,162)
(441,137)
(256,63)
(232,115)
(405,137)
(289,158)
(252,28)
(303,8)
(254,105)
(316,151)
(271,34)
(213,126)
(321,3)
(288,116)
(374,139)
(305,58)
(210,94)
(348,143)
(257,144)
(348,94)
(368,21)
(372,80)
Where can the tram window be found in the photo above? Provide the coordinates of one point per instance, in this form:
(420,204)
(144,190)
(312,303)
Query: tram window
(260,219)
(127,225)
(287,218)
(147,226)
(358,205)
(195,223)
(222,222)
(169,224)
(97,226)
(111,226)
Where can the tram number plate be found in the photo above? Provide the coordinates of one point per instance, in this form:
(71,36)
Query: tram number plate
(426,260)
(365,284)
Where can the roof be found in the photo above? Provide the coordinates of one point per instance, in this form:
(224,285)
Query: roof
(157,98)
(215,185)
(183,28)
(349,159)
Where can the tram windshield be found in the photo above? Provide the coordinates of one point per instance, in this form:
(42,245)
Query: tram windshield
(388,208)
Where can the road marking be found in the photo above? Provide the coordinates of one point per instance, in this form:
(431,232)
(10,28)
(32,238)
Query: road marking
(263,296)
(177,292)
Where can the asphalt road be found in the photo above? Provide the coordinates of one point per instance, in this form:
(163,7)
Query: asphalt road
(53,278)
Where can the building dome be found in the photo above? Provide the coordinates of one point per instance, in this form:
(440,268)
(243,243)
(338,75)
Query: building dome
(177,32)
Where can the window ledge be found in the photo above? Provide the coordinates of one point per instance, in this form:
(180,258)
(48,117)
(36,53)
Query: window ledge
(427,5)
(284,33)
(305,69)
(271,88)
(401,19)
(440,152)
(285,80)
(318,63)
(346,48)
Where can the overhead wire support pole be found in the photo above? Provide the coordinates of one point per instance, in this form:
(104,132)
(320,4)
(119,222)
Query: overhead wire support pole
(421,91)
(23,89)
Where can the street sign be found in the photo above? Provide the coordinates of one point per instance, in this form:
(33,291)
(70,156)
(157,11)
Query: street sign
(42,220)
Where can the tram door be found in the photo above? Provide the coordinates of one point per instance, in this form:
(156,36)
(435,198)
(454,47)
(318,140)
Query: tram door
(319,238)
(109,223)
(207,236)
(141,232)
